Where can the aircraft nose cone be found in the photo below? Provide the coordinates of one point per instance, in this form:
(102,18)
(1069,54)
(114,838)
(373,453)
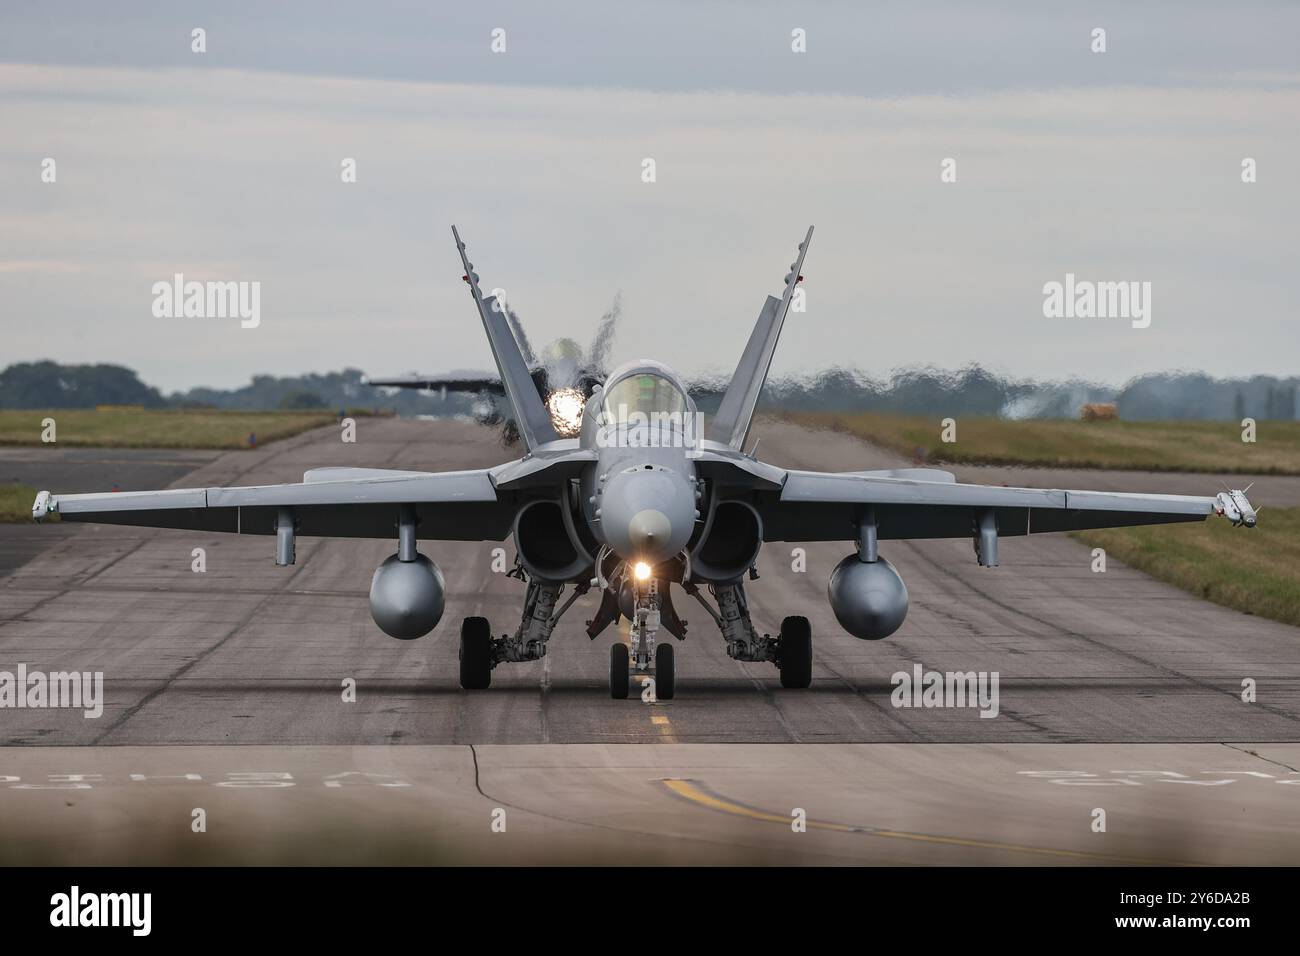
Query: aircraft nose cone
(649,532)
(646,515)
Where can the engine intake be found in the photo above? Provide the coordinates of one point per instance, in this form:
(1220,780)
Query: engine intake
(868,597)
(730,543)
(547,542)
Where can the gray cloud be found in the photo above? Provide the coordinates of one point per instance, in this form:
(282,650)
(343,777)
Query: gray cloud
(1123,166)
(875,49)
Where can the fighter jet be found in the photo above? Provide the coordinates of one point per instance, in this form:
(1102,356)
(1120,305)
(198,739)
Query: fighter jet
(641,500)
(565,376)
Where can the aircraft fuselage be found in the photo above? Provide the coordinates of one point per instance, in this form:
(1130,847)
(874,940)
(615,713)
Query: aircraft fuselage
(639,497)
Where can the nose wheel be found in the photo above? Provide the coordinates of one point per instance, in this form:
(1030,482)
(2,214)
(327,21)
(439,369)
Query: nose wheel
(665,676)
(618,671)
(621,672)
(645,658)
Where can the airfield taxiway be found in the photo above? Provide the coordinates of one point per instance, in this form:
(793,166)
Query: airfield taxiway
(241,668)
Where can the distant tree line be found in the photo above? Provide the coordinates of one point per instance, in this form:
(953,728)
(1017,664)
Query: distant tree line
(50,385)
(919,390)
(977,391)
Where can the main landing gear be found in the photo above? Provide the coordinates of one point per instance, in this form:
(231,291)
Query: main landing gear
(475,653)
(790,650)
(480,652)
(648,605)
(794,652)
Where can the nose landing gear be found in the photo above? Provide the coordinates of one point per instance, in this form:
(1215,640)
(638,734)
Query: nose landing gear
(665,673)
(622,672)
(644,659)
(618,671)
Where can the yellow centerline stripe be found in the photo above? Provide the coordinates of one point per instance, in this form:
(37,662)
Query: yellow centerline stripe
(694,793)
(665,728)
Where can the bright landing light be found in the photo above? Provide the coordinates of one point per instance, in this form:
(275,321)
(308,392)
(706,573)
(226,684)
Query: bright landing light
(641,570)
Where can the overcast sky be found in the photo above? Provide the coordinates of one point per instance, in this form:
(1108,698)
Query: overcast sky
(1123,165)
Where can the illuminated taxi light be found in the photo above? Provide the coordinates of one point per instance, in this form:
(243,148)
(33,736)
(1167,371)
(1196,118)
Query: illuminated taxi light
(641,570)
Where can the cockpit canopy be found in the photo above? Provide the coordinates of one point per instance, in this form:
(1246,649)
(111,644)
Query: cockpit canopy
(642,395)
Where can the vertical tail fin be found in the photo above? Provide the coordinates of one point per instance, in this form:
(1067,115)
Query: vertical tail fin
(530,414)
(731,424)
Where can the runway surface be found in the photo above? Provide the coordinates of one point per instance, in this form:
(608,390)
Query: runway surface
(99,469)
(883,804)
(250,654)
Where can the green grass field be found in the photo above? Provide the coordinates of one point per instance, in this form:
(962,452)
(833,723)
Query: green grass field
(1214,447)
(137,428)
(1256,570)
(16,503)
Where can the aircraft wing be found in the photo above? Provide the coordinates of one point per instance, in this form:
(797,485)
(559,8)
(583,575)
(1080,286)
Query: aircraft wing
(926,503)
(452,382)
(334,502)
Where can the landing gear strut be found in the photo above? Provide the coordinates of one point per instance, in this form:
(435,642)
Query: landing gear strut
(480,652)
(790,650)
(644,659)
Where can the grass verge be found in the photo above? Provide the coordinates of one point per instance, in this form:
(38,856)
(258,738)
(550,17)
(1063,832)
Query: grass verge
(154,428)
(1212,447)
(16,503)
(1255,570)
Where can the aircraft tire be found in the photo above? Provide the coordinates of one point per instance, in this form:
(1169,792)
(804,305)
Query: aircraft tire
(794,651)
(665,674)
(475,653)
(618,671)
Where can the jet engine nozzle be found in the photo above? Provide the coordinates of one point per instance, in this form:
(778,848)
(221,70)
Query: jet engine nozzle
(407,597)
